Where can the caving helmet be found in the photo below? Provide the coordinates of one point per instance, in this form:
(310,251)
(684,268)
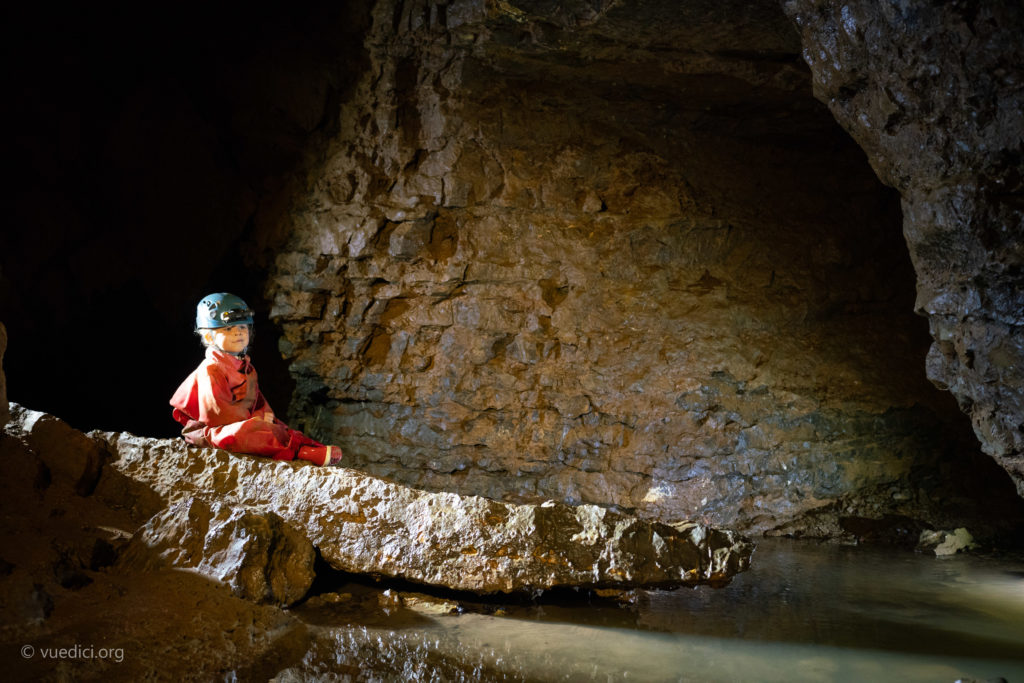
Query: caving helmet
(222,310)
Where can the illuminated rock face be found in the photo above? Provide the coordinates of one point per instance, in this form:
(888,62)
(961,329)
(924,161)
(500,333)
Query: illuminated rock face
(251,524)
(932,93)
(257,555)
(610,255)
(366,525)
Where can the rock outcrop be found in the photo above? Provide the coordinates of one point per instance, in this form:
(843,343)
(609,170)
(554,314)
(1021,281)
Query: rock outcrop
(258,556)
(252,523)
(100,567)
(65,582)
(932,92)
(366,525)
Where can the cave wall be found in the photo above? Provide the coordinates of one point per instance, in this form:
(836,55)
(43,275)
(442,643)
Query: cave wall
(610,255)
(932,92)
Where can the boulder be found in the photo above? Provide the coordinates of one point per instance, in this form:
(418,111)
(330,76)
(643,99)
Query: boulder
(71,458)
(257,555)
(946,543)
(363,524)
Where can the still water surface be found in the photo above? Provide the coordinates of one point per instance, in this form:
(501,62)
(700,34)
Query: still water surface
(804,612)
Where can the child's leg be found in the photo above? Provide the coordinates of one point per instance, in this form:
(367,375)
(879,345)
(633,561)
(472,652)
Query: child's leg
(256,437)
(320,455)
(314,451)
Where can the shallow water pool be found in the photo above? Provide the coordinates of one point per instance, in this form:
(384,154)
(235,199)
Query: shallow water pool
(804,612)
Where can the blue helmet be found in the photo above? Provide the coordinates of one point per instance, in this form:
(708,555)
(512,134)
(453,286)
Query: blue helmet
(222,310)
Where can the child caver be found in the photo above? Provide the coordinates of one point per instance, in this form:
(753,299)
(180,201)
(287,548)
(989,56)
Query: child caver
(220,403)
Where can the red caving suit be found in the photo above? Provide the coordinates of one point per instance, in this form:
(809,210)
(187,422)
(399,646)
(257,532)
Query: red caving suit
(220,405)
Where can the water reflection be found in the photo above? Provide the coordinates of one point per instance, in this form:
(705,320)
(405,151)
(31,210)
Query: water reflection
(860,597)
(803,613)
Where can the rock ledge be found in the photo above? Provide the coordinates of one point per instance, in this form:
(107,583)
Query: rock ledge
(367,525)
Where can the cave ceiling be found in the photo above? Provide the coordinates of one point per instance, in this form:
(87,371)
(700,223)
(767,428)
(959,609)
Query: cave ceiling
(725,68)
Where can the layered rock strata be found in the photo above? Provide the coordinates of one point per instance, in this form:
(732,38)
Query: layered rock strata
(932,92)
(612,255)
(365,525)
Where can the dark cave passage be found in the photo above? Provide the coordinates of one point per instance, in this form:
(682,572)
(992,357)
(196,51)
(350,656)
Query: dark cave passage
(144,145)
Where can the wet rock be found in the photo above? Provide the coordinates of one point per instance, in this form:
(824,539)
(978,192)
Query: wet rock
(946,542)
(931,91)
(888,529)
(257,555)
(622,597)
(326,599)
(366,525)
(428,604)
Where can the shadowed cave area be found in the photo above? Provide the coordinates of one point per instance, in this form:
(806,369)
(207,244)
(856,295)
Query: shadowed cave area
(658,257)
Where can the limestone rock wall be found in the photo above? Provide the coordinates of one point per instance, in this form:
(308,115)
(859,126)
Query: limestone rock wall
(932,92)
(608,257)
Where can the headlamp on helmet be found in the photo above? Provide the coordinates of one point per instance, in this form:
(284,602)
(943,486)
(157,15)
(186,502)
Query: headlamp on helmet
(222,310)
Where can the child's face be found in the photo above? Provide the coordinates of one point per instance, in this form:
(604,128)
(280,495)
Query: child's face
(230,339)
